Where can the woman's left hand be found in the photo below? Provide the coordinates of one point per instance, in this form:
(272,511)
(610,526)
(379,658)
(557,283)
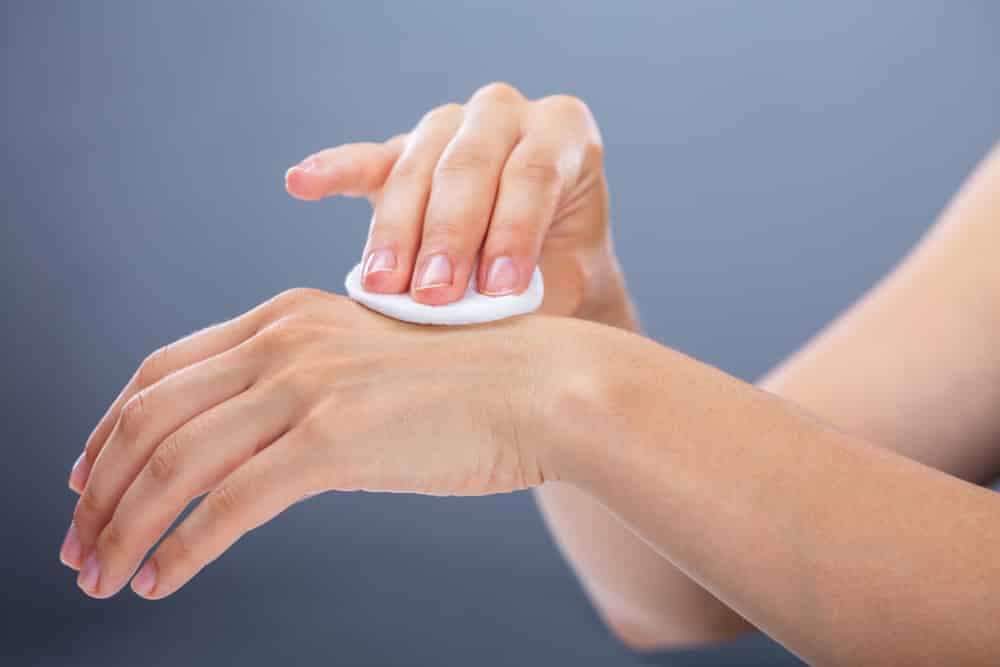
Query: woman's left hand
(306,393)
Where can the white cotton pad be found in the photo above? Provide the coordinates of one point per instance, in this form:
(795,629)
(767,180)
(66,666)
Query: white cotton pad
(473,308)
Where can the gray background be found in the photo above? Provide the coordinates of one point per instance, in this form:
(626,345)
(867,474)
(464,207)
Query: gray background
(767,161)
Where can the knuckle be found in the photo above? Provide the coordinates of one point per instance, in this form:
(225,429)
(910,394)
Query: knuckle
(443,231)
(463,158)
(113,536)
(164,462)
(268,340)
(410,168)
(540,167)
(389,231)
(180,547)
(311,433)
(567,106)
(354,171)
(310,442)
(281,334)
(400,138)
(133,416)
(593,152)
(296,298)
(153,367)
(294,388)
(498,92)
(88,508)
(224,501)
(517,233)
(443,112)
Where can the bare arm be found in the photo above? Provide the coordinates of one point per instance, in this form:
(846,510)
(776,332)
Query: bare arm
(912,367)
(644,600)
(845,552)
(519,182)
(915,365)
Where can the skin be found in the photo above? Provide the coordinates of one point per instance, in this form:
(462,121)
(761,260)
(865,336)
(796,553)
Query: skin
(834,507)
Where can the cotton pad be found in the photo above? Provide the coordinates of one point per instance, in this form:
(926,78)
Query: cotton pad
(472,308)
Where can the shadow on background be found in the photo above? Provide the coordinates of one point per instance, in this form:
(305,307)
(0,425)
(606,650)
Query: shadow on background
(768,161)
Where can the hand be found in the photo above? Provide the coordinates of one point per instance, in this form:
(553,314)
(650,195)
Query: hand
(306,393)
(514,181)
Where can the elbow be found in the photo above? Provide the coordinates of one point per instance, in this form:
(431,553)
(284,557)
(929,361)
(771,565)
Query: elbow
(647,635)
(635,637)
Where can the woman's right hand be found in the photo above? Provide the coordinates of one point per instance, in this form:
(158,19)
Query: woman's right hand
(502,180)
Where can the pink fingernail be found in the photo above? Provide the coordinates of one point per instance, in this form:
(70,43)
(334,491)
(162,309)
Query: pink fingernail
(69,553)
(379,260)
(437,272)
(145,581)
(80,472)
(90,573)
(502,278)
(310,164)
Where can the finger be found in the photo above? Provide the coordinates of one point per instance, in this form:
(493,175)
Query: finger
(190,462)
(175,356)
(256,492)
(149,417)
(192,349)
(560,141)
(394,235)
(529,195)
(462,195)
(354,170)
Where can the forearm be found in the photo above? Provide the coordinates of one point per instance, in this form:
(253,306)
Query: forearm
(836,548)
(912,368)
(643,598)
(650,603)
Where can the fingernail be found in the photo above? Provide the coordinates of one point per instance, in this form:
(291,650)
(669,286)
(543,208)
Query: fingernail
(309,164)
(145,580)
(69,553)
(80,472)
(306,166)
(437,273)
(502,278)
(382,259)
(89,574)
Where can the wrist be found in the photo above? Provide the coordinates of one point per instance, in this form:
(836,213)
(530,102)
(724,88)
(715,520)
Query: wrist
(606,299)
(615,311)
(593,399)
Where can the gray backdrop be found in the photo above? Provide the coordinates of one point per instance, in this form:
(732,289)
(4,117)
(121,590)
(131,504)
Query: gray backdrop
(768,161)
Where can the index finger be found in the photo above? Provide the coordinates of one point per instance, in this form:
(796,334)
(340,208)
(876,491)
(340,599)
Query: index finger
(354,170)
